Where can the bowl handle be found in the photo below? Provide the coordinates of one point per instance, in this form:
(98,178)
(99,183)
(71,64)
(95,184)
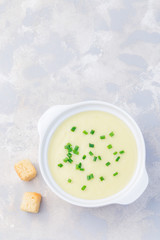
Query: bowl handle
(48,117)
(135,193)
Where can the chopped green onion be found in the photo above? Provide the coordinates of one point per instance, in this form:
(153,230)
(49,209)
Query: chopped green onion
(117,159)
(60,165)
(99,157)
(83,188)
(75,150)
(69,155)
(102,137)
(115,153)
(91,153)
(108,163)
(95,158)
(92,131)
(91,145)
(65,160)
(109,146)
(111,134)
(70,160)
(101,178)
(121,152)
(78,166)
(84,156)
(70,149)
(73,129)
(68,146)
(85,132)
(69,180)
(81,169)
(116,173)
(89,177)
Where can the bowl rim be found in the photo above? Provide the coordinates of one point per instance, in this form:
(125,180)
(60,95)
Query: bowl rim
(69,110)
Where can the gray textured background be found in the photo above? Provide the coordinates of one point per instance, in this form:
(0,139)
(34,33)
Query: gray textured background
(61,52)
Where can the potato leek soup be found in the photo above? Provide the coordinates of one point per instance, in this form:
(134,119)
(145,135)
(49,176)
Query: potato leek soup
(92,155)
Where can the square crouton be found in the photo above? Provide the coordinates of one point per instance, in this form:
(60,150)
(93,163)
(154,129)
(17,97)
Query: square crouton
(25,170)
(31,202)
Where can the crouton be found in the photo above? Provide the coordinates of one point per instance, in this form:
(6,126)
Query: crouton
(25,170)
(31,202)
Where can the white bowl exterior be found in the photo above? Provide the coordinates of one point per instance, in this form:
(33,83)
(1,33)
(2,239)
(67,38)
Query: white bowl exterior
(53,117)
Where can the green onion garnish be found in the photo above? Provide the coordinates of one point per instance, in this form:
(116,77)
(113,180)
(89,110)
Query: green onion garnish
(101,178)
(85,132)
(70,149)
(81,169)
(83,188)
(116,173)
(73,129)
(75,150)
(95,158)
(117,159)
(108,163)
(60,165)
(84,156)
(91,145)
(115,153)
(121,152)
(99,157)
(68,146)
(89,177)
(78,166)
(69,155)
(102,137)
(70,160)
(111,134)
(69,180)
(65,160)
(109,146)
(91,153)
(92,131)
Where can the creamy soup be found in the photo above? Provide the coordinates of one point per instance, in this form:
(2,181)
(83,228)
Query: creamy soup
(92,155)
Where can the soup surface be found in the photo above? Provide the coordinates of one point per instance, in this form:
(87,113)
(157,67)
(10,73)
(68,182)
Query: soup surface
(92,155)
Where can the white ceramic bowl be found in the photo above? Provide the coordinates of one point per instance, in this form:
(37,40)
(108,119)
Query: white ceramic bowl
(52,118)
